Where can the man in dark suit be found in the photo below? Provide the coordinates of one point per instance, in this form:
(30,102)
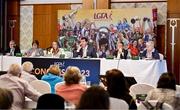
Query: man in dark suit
(120,52)
(85,50)
(13,49)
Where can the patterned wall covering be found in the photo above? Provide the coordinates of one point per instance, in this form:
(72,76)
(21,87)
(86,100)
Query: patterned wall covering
(122,5)
(162,9)
(26,27)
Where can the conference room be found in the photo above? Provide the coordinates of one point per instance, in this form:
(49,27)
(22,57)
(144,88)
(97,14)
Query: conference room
(89,54)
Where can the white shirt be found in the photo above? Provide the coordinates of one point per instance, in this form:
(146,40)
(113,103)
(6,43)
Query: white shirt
(85,51)
(28,77)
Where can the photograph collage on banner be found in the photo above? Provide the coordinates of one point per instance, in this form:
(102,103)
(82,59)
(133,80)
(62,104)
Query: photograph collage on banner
(104,28)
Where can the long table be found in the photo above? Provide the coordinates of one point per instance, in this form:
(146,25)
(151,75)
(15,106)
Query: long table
(144,71)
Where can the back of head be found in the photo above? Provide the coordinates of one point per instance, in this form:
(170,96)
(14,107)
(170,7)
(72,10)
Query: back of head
(116,83)
(6,99)
(94,97)
(15,70)
(27,66)
(167,81)
(72,75)
(54,69)
(50,101)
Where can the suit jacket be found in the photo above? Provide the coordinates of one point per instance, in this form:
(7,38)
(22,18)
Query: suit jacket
(91,52)
(17,50)
(122,56)
(155,54)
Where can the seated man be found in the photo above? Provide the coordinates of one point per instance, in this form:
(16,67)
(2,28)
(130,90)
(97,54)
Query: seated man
(120,52)
(12,49)
(150,52)
(19,87)
(85,50)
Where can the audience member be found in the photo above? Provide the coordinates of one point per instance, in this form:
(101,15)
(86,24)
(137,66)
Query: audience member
(150,52)
(52,77)
(94,97)
(120,52)
(6,98)
(117,87)
(72,90)
(27,75)
(19,87)
(84,50)
(13,49)
(165,91)
(35,50)
(50,102)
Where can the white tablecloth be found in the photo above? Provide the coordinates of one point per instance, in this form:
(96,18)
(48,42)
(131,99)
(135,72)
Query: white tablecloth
(8,60)
(144,71)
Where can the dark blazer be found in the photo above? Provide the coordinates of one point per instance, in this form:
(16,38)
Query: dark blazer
(155,54)
(91,52)
(115,53)
(17,50)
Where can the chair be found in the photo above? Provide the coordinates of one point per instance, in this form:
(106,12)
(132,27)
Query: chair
(140,89)
(41,86)
(118,104)
(161,56)
(178,89)
(50,101)
(165,106)
(59,83)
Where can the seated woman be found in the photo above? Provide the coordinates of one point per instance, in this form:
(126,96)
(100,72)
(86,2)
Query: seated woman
(55,51)
(120,52)
(35,50)
(52,77)
(117,87)
(94,97)
(134,49)
(72,90)
(150,52)
(165,91)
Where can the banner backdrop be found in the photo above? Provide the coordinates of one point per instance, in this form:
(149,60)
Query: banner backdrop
(89,68)
(104,27)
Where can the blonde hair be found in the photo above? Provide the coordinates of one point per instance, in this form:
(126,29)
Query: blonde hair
(72,75)
(27,66)
(15,69)
(54,69)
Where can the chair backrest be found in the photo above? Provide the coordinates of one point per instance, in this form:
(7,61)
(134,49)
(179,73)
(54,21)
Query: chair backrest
(59,83)
(41,86)
(178,89)
(161,56)
(140,89)
(118,104)
(165,106)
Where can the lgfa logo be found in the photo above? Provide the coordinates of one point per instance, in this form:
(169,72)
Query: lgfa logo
(103,16)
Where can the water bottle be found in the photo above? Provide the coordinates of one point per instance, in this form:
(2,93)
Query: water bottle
(129,54)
